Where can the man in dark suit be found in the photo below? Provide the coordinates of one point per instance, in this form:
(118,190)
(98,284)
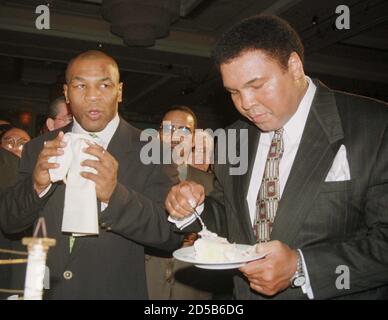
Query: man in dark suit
(9,165)
(168,278)
(317,161)
(8,168)
(131,194)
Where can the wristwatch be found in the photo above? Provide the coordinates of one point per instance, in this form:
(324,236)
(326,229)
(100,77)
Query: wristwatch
(299,278)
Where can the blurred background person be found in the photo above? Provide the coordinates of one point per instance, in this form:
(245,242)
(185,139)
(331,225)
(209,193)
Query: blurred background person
(14,140)
(196,156)
(200,160)
(9,163)
(8,172)
(177,132)
(168,278)
(202,154)
(59,114)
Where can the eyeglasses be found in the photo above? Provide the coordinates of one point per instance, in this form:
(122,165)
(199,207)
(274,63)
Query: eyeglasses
(13,143)
(169,129)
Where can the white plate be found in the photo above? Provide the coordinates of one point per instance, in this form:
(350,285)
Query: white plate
(187,254)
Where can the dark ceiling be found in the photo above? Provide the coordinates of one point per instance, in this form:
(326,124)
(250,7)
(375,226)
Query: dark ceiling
(177,69)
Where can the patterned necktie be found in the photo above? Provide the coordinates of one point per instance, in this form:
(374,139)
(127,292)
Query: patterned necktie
(269,193)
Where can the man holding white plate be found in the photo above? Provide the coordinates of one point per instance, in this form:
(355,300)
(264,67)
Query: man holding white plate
(315,196)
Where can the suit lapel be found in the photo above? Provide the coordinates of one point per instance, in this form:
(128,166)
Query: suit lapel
(123,142)
(243,181)
(320,142)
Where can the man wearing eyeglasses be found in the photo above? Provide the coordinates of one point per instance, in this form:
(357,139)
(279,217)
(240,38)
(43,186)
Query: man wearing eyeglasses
(167,278)
(59,114)
(177,131)
(14,140)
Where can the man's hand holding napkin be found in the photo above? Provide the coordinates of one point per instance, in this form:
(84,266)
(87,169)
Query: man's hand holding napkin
(41,175)
(106,167)
(90,173)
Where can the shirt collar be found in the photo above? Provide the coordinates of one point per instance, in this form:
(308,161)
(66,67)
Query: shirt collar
(105,135)
(294,127)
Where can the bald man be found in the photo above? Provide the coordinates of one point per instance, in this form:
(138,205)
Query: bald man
(111,264)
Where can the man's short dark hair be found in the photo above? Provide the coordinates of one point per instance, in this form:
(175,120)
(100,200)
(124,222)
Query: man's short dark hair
(271,34)
(53,107)
(185,109)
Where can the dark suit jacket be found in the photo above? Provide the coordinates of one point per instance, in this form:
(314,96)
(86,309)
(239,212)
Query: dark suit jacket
(199,176)
(171,279)
(334,223)
(110,265)
(8,167)
(8,174)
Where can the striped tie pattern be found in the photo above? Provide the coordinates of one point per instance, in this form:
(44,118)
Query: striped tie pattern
(269,193)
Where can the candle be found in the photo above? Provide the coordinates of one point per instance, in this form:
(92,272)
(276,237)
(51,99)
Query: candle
(36,264)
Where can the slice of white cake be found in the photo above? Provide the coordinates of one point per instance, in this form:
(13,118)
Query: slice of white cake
(214,249)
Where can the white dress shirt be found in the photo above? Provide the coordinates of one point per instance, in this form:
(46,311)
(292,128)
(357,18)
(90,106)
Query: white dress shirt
(292,135)
(105,136)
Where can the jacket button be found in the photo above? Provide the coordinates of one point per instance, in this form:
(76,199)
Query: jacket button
(68,275)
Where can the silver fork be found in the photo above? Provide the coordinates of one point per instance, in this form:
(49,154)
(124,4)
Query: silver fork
(199,218)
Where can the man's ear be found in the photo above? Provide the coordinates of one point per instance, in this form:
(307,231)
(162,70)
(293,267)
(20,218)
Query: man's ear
(120,97)
(295,66)
(65,88)
(50,124)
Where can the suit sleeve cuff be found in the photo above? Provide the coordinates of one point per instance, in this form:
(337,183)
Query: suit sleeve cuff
(45,191)
(183,223)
